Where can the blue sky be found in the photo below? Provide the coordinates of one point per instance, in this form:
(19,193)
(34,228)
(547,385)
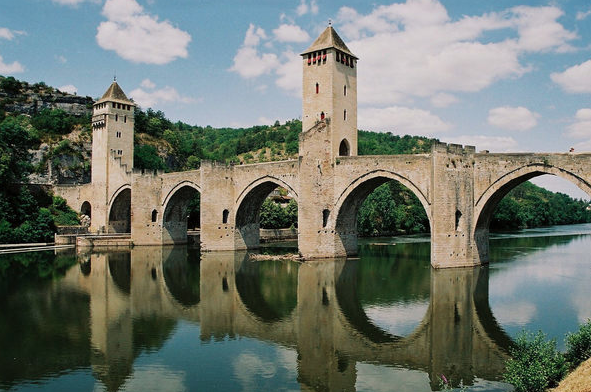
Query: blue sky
(501,75)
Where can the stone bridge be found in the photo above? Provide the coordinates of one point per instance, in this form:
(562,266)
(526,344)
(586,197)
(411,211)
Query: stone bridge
(458,188)
(323,319)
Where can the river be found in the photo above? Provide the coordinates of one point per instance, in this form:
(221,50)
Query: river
(155,319)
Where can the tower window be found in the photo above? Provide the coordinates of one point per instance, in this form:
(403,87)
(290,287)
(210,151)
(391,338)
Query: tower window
(324,56)
(124,119)
(338,56)
(345,115)
(345,90)
(317,88)
(154,215)
(322,116)
(309,58)
(225,214)
(116,117)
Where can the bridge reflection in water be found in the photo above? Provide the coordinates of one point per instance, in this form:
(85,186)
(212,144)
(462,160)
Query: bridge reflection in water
(135,299)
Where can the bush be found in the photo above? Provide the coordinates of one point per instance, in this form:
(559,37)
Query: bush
(578,345)
(535,364)
(63,215)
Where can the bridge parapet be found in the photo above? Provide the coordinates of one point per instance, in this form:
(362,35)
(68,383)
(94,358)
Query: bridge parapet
(452,148)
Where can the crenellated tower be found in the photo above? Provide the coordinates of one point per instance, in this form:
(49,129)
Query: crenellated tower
(330,90)
(112,133)
(329,130)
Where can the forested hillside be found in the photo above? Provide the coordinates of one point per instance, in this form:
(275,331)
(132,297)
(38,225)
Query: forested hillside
(45,137)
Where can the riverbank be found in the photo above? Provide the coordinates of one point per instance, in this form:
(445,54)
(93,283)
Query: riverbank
(577,381)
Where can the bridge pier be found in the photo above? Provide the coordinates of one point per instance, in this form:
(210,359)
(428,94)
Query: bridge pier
(218,218)
(452,207)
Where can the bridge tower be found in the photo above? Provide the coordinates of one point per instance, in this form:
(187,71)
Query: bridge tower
(329,130)
(330,90)
(112,150)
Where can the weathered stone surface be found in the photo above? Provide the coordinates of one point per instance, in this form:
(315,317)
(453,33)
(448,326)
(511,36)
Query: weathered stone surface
(458,188)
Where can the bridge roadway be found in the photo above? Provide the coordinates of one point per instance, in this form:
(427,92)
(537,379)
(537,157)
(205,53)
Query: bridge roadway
(458,188)
(327,326)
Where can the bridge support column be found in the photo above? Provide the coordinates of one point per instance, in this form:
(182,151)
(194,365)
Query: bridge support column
(452,211)
(146,191)
(317,237)
(217,226)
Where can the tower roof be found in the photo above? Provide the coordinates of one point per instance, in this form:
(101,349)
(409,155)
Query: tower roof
(115,93)
(329,39)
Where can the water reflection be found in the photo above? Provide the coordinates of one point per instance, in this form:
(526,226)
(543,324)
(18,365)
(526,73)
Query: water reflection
(175,319)
(119,306)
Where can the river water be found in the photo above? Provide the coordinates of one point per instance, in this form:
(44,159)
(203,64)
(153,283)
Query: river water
(172,319)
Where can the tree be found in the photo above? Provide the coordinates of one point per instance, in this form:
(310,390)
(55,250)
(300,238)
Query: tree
(15,143)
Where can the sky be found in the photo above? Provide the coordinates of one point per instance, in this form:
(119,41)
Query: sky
(503,75)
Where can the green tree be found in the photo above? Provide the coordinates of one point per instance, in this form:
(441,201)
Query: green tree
(146,157)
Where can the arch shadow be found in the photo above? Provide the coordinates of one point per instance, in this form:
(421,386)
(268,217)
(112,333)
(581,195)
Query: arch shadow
(249,202)
(178,206)
(120,211)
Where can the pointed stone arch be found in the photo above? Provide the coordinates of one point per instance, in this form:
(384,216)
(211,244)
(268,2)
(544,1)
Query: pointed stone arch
(344,223)
(175,212)
(488,200)
(247,207)
(120,211)
(344,148)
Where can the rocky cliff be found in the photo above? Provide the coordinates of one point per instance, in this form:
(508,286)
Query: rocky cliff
(23,98)
(61,157)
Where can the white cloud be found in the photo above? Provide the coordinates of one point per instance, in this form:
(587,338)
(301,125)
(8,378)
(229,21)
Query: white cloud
(581,127)
(248,62)
(9,34)
(290,33)
(290,73)
(71,3)
(512,118)
(254,35)
(482,142)
(160,96)
(576,79)
(539,31)
(139,37)
(68,88)
(401,121)
(61,59)
(303,8)
(147,83)
(418,39)
(443,100)
(12,68)
(6,33)
(583,15)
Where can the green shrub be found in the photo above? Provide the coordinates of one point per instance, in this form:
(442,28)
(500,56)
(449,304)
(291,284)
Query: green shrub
(578,345)
(63,215)
(535,364)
